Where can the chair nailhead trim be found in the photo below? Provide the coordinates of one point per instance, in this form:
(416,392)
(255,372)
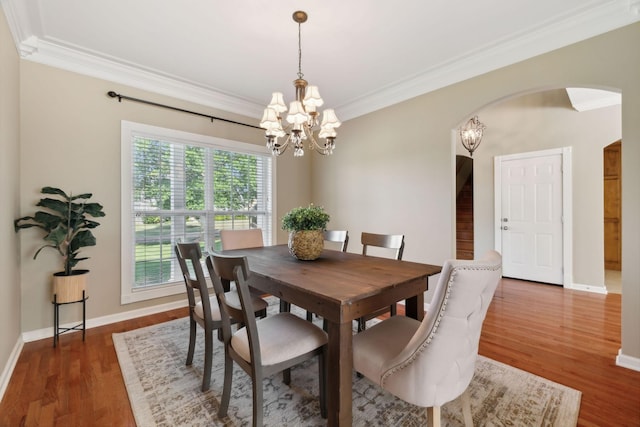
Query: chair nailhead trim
(443,307)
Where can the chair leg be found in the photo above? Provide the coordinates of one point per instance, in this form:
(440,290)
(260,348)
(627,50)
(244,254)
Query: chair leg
(393,309)
(285,307)
(192,341)
(286,376)
(466,409)
(226,388)
(322,376)
(309,316)
(433,416)
(362,324)
(208,360)
(257,402)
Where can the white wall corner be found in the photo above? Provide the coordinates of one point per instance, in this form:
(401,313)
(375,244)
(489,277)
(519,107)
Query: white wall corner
(628,362)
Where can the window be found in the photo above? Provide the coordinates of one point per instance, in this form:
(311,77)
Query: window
(178,186)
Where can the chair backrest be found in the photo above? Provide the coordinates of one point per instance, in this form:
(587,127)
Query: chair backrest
(222,266)
(241,239)
(235,268)
(189,255)
(388,241)
(337,236)
(438,363)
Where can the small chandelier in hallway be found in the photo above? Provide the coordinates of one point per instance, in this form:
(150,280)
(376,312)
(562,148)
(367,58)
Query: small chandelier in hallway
(471,134)
(303,118)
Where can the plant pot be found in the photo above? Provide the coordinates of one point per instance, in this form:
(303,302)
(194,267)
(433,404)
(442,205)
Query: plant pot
(69,288)
(306,245)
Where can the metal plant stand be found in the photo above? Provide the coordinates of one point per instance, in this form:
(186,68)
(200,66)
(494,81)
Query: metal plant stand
(57,330)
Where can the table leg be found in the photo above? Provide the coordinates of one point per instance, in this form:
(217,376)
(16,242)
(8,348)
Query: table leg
(339,376)
(414,307)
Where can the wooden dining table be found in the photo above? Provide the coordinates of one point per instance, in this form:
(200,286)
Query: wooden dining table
(340,287)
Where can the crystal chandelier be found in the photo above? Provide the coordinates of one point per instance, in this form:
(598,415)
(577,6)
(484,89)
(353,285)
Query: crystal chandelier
(303,118)
(471,134)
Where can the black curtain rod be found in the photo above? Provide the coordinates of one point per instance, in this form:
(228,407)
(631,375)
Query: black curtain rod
(120,97)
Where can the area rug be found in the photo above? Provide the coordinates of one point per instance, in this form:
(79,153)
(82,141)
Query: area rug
(163,391)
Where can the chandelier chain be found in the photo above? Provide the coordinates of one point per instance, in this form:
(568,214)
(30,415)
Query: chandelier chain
(300,75)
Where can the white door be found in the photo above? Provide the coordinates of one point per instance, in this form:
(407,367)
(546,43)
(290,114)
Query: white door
(530,216)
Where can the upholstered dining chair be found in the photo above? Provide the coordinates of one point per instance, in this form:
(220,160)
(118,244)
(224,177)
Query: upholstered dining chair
(392,242)
(203,308)
(432,362)
(262,347)
(241,239)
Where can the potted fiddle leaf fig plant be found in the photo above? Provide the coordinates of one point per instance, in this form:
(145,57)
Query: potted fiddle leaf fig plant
(305,226)
(67,223)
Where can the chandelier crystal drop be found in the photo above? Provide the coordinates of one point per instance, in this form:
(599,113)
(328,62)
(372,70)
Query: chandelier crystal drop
(303,119)
(471,134)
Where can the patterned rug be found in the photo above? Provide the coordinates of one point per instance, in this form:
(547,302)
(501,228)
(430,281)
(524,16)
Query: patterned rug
(165,392)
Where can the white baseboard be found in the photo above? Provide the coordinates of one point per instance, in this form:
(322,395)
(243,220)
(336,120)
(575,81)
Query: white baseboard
(587,288)
(10,366)
(628,361)
(105,320)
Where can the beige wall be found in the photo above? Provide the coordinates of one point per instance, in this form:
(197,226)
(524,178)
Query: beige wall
(393,169)
(9,194)
(71,140)
(541,121)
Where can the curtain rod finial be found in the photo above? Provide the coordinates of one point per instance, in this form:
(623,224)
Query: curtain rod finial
(112,94)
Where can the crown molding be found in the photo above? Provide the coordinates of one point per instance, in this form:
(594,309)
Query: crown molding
(563,31)
(590,99)
(559,33)
(56,55)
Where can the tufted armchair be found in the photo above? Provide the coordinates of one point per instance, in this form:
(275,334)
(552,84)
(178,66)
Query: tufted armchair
(432,362)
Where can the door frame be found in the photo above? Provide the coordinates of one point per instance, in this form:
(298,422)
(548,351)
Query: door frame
(567,204)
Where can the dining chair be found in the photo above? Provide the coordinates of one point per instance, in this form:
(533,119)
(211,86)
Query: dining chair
(241,239)
(337,236)
(432,362)
(262,347)
(244,239)
(203,308)
(393,242)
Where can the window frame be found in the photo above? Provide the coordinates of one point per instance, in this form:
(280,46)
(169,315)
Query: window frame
(128,293)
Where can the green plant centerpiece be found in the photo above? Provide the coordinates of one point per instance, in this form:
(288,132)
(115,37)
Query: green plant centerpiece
(67,224)
(305,226)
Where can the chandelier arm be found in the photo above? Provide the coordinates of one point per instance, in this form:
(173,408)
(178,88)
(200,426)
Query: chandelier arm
(321,149)
(279,149)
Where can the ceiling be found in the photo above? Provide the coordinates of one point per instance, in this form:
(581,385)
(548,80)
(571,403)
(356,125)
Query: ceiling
(363,55)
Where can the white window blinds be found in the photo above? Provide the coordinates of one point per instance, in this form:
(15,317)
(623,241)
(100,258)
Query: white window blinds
(186,188)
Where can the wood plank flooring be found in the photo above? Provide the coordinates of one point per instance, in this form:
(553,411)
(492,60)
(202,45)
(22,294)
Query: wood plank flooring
(570,337)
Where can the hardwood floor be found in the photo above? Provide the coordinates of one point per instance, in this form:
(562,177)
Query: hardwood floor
(570,337)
